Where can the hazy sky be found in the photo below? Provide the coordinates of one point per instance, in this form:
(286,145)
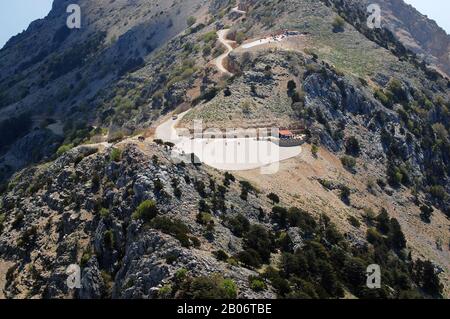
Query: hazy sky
(16,15)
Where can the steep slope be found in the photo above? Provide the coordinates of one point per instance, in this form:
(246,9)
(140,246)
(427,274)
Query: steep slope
(414,30)
(50,74)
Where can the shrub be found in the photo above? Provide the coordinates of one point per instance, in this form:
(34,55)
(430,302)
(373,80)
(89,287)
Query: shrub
(200,187)
(244,194)
(352,146)
(191,21)
(228,178)
(28,238)
(383,221)
(115,155)
(85,257)
(280,216)
(398,93)
(209,287)
(259,239)
(354,222)
(426,213)
(165,292)
(383,98)
(204,218)
(64,149)
(104,212)
(210,37)
(348,162)
(301,219)
(239,225)
(177,192)
(221,255)
(345,194)
(240,37)
(427,278)
(257,284)
(338,24)
(175,228)
(146,211)
(181,275)
(355,271)
(438,192)
(18,220)
(249,258)
(158,186)
(274,198)
(374,237)
(247,186)
(396,237)
(314,150)
(291,86)
(171,257)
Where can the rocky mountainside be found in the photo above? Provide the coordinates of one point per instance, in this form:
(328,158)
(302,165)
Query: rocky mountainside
(418,33)
(85,181)
(414,30)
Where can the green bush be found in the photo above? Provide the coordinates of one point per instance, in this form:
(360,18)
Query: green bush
(427,277)
(257,284)
(383,98)
(64,149)
(175,228)
(191,21)
(240,37)
(348,162)
(115,155)
(274,198)
(146,211)
(345,194)
(314,150)
(338,24)
(438,192)
(352,146)
(398,93)
(204,218)
(208,287)
(104,212)
(280,216)
(354,222)
(221,255)
(18,220)
(259,239)
(165,292)
(425,213)
(250,258)
(181,275)
(210,37)
(396,237)
(238,225)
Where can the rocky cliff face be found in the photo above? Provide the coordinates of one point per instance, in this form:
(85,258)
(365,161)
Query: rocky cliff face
(418,33)
(85,197)
(414,30)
